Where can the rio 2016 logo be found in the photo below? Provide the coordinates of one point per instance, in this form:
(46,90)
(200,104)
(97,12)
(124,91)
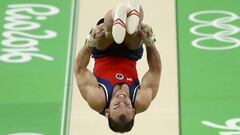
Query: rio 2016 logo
(20,44)
(232,126)
(223,21)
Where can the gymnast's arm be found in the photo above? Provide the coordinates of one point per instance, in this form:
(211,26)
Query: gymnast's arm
(86,81)
(150,81)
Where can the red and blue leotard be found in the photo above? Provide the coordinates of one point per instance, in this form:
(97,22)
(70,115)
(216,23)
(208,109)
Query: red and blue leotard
(110,71)
(117,65)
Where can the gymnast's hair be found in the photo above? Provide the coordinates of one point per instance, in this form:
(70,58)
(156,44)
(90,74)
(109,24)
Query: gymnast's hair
(122,125)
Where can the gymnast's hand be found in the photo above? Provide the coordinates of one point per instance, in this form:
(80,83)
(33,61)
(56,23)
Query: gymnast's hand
(147,35)
(100,31)
(95,35)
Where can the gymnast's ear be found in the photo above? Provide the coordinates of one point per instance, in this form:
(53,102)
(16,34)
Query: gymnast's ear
(107,112)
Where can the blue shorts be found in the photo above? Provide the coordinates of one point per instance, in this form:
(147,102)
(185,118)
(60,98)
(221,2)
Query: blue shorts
(118,50)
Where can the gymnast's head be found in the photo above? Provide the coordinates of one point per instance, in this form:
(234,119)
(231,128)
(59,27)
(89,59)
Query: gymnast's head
(120,113)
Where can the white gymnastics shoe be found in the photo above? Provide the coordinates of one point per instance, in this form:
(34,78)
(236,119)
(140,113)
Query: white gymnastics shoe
(133,16)
(119,23)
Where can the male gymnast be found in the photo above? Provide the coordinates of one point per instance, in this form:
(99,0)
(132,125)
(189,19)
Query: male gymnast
(113,88)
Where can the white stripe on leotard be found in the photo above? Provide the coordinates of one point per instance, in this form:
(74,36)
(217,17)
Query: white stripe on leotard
(105,90)
(134,94)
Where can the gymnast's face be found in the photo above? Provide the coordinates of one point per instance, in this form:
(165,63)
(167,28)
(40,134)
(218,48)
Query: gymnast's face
(120,106)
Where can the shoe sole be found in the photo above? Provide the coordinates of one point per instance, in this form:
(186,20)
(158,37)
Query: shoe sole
(119,23)
(133,16)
